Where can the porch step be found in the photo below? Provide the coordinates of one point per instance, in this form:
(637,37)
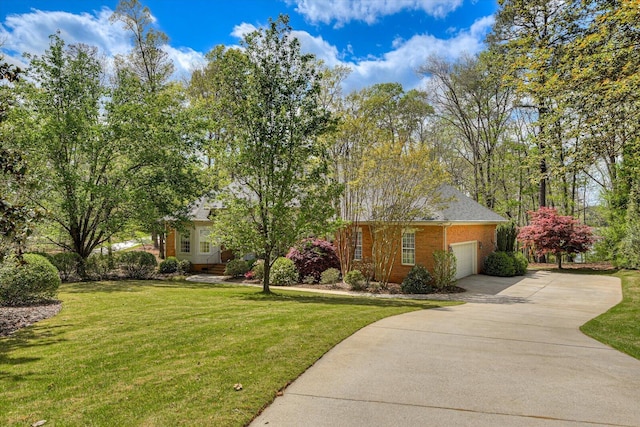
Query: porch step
(216,269)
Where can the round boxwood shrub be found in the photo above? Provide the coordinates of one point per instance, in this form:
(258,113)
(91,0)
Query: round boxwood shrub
(520,263)
(500,264)
(313,256)
(330,276)
(418,281)
(356,280)
(236,268)
(137,264)
(30,281)
(185,266)
(169,265)
(283,273)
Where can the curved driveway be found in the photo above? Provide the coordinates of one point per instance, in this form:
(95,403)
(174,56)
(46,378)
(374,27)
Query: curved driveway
(512,357)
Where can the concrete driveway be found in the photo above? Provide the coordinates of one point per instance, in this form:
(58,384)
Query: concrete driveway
(513,357)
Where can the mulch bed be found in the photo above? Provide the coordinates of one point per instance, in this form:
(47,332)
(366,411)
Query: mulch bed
(14,318)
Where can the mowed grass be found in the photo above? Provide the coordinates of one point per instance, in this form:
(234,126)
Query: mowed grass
(620,326)
(153,353)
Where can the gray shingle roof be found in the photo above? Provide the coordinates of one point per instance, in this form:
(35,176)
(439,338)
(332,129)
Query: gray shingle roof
(460,208)
(201,208)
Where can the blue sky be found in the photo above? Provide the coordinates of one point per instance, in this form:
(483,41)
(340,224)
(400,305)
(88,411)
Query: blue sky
(380,40)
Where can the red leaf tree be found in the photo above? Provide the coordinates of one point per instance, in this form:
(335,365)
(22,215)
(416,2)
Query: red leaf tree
(549,232)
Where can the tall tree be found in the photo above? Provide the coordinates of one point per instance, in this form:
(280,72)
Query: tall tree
(96,171)
(533,35)
(473,97)
(17,213)
(279,190)
(148,107)
(147,59)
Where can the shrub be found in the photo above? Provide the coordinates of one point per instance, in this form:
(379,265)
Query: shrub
(506,237)
(258,269)
(137,264)
(444,269)
(313,256)
(309,280)
(520,263)
(367,268)
(32,281)
(356,280)
(169,265)
(418,281)
(185,266)
(236,268)
(330,276)
(98,266)
(500,264)
(283,273)
(66,263)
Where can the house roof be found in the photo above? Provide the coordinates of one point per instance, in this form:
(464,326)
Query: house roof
(457,207)
(201,208)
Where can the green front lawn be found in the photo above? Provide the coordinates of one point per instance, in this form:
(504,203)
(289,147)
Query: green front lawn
(620,326)
(169,353)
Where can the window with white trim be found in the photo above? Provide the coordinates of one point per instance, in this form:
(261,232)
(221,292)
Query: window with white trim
(409,248)
(357,237)
(205,244)
(185,243)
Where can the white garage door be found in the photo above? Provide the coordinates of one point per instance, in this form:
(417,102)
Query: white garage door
(466,254)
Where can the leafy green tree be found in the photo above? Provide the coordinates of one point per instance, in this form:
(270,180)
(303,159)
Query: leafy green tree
(96,164)
(17,214)
(148,108)
(279,189)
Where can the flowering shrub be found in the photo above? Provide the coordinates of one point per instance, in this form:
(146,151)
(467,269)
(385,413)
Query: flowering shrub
(313,256)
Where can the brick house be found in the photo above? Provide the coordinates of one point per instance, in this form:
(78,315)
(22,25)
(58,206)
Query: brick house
(462,226)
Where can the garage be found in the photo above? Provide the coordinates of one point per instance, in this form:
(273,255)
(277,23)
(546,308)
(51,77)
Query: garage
(466,258)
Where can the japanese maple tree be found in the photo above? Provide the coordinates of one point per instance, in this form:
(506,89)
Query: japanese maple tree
(549,232)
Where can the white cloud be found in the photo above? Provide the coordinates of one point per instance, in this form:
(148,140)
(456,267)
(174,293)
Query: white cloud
(29,32)
(243,29)
(401,63)
(343,11)
(319,47)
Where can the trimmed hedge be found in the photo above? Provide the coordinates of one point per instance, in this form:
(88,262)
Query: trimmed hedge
(520,263)
(418,281)
(330,276)
(169,265)
(236,268)
(33,281)
(356,280)
(137,264)
(500,264)
(283,272)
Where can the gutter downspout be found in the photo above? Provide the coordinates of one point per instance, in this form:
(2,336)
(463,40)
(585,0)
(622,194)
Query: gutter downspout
(445,245)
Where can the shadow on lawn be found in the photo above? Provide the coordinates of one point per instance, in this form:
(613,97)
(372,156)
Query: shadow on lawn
(136,285)
(34,336)
(336,300)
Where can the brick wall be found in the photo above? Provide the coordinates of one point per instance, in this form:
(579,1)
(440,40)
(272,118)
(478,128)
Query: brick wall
(484,234)
(430,238)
